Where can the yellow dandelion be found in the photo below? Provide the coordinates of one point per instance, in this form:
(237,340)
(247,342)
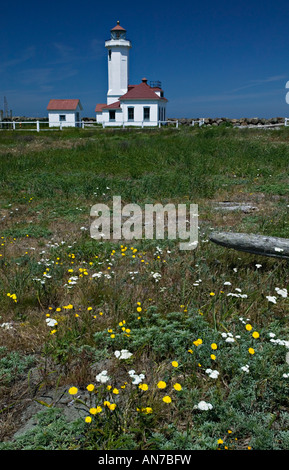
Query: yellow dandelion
(214,346)
(167,399)
(90,387)
(198,342)
(161,384)
(248,327)
(177,387)
(88,419)
(251,351)
(255,334)
(73,390)
(175,364)
(143,387)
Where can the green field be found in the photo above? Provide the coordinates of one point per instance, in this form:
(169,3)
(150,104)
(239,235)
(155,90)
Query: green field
(215,374)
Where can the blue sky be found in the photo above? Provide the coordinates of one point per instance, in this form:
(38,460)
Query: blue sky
(214,58)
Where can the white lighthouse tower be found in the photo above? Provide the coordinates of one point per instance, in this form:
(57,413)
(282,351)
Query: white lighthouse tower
(118,63)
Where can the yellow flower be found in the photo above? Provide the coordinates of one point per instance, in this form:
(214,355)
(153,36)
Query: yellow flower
(167,399)
(212,293)
(148,410)
(161,384)
(197,342)
(90,387)
(251,351)
(220,441)
(139,309)
(255,334)
(88,419)
(175,364)
(248,327)
(73,390)
(143,386)
(177,387)
(190,351)
(112,406)
(214,346)
(89,308)
(115,391)
(96,410)
(213,357)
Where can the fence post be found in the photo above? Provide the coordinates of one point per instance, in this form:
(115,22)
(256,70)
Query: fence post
(82,124)
(37,126)
(177,124)
(13,125)
(60,126)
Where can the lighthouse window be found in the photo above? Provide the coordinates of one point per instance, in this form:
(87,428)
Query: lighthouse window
(146,114)
(112,115)
(130,114)
(109,54)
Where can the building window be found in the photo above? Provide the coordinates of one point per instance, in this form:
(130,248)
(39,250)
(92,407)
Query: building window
(112,115)
(109,54)
(130,112)
(146,114)
(62,117)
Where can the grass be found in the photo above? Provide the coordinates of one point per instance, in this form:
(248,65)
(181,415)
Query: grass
(182,328)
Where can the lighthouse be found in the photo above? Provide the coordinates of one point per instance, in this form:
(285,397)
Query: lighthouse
(128,105)
(118,63)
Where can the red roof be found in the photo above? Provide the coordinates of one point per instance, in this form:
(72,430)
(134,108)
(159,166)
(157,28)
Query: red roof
(115,105)
(141,92)
(118,27)
(69,105)
(99,107)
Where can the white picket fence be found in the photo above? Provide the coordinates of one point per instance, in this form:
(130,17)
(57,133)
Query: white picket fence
(44,125)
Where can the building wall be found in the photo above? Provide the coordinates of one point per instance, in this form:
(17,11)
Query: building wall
(118,66)
(54,118)
(139,112)
(121,116)
(118,118)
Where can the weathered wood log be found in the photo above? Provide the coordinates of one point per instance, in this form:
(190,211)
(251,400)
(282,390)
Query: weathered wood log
(256,244)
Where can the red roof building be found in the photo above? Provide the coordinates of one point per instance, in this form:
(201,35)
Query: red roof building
(64,113)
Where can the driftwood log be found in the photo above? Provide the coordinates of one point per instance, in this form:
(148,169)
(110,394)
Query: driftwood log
(255,244)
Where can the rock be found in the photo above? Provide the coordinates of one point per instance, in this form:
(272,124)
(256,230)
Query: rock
(235,206)
(256,244)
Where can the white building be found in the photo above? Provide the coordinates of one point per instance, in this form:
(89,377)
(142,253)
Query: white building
(130,105)
(64,113)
